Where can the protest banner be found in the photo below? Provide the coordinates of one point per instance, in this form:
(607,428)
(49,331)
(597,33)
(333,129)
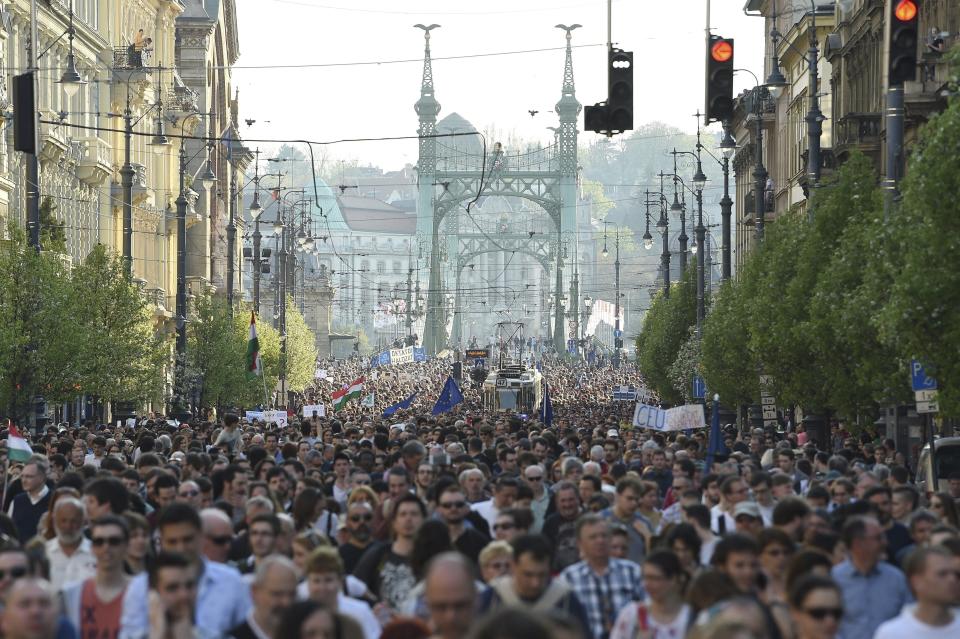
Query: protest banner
(309,409)
(673,419)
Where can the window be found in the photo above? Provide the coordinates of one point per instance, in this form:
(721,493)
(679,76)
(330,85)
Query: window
(397,267)
(381,268)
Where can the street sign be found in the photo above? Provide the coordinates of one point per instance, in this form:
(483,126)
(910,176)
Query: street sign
(474,353)
(699,387)
(767,400)
(928,407)
(770,423)
(926,396)
(919,378)
(769,413)
(617,333)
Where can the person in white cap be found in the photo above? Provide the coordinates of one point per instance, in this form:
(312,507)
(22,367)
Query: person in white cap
(748,518)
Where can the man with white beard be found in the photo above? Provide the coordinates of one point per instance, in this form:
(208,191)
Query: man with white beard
(69,553)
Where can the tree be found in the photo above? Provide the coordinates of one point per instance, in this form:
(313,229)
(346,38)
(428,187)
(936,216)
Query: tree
(301,350)
(686,366)
(33,287)
(920,315)
(215,353)
(729,366)
(665,328)
(856,370)
(120,357)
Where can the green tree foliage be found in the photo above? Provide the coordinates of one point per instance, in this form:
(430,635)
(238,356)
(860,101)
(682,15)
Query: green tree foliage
(66,333)
(729,366)
(854,368)
(31,287)
(53,237)
(216,354)
(120,355)
(686,366)
(805,307)
(921,315)
(666,327)
(301,350)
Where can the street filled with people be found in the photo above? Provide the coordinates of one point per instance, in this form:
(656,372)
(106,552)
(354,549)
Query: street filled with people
(450,519)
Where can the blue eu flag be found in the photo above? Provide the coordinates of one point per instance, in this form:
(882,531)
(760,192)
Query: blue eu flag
(401,405)
(546,411)
(715,447)
(450,396)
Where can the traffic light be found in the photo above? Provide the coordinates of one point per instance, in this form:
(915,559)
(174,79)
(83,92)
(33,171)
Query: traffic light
(595,118)
(615,115)
(719,87)
(904,35)
(24,114)
(620,91)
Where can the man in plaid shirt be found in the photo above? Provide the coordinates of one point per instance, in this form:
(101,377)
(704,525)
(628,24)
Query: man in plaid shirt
(603,584)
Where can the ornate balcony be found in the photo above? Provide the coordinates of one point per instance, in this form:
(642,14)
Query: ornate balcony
(53,143)
(857,131)
(96,163)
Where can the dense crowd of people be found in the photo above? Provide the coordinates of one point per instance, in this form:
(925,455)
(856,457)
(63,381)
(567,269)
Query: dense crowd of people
(470,523)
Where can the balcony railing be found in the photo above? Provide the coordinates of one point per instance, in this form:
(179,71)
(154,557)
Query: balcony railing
(128,58)
(858,129)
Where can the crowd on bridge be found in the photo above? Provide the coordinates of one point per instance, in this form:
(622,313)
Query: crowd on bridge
(469,523)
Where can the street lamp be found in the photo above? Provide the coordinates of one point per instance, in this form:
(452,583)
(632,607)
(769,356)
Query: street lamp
(71,81)
(158,144)
(663,225)
(207,178)
(647,238)
(728,146)
(814,118)
(678,207)
(760,94)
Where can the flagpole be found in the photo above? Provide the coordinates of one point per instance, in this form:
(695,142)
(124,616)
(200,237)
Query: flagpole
(6,468)
(266,401)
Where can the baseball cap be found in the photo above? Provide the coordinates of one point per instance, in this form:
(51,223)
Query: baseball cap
(613,433)
(747,508)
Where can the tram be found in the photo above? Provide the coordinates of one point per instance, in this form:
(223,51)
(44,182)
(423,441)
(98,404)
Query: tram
(513,388)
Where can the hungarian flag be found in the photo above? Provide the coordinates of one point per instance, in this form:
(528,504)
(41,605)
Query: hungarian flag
(253,349)
(345,394)
(17,447)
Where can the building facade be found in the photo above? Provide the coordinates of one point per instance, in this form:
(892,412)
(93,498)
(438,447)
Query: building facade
(851,37)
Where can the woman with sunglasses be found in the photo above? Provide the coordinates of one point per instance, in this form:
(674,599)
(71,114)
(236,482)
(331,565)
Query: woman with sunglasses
(816,608)
(944,507)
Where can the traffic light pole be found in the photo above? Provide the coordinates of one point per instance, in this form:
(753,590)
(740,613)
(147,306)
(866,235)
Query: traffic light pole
(33,162)
(894,128)
(759,171)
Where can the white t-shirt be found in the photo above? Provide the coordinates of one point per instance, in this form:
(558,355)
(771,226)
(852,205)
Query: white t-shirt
(627,621)
(906,625)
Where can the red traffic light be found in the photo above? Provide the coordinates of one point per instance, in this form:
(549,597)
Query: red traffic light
(722,50)
(906,10)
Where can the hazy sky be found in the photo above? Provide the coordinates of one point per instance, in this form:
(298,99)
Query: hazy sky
(325,103)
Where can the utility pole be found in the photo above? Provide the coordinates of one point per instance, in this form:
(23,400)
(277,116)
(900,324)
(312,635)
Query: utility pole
(617,334)
(232,237)
(181,303)
(575,304)
(409,319)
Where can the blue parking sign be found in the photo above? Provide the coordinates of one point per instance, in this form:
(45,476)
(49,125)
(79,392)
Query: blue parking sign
(919,378)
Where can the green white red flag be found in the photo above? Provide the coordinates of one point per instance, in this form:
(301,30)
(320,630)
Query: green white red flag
(345,394)
(17,447)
